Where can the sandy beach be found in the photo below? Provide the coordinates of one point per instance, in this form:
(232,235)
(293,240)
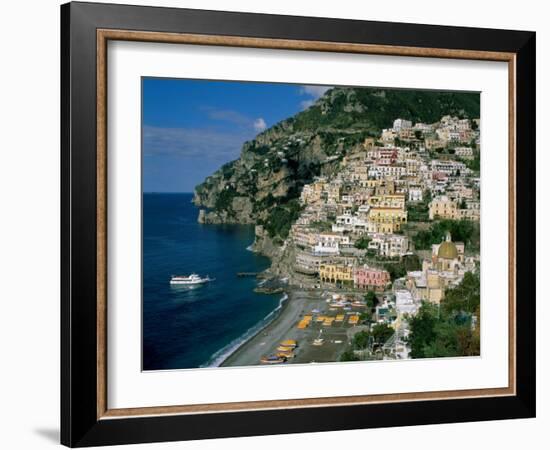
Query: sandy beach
(284,326)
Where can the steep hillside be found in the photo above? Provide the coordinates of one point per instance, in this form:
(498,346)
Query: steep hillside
(263,184)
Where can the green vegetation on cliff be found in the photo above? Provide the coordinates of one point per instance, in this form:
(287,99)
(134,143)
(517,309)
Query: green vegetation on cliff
(373,109)
(450,329)
(461,231)
(398,269)
(368,340)
(225,199)
(272,169)
(419,211)
(281,218)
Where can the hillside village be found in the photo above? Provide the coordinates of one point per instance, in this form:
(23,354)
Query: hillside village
(391,222)
(364,210)
(373,230)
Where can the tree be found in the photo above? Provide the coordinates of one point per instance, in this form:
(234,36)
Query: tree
(445,343)
(348,355)
(422,329)
(411,262)
(371,299)
(461,231)
(450,329)
(321,225)
(225,199)
(465,297)
(362,243)
(427,196)
(281,219)
(361,340)
(474,164)
(381,332)
(418,212)
(468,341)
(396,270)
(366,316)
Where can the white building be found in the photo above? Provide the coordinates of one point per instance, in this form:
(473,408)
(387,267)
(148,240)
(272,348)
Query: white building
(404,302)
(448,167)
(348,222)
(415,194)
(327,248)
(327,239)
(453,136)
(399,124)
(388,135)
(465,152)
(379,171)
(389,245)
(463,124)
(423,127)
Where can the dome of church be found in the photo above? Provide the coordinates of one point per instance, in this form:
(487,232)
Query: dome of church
(447,250)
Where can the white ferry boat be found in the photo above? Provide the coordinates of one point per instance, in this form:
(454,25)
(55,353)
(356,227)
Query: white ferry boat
(189,280)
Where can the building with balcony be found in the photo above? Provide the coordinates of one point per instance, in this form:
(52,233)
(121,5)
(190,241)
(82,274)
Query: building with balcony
(365,277)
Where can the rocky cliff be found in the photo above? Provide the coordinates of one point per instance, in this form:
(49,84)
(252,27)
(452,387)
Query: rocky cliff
(262,186)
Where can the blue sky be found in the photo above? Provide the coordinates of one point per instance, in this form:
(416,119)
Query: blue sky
(192,127)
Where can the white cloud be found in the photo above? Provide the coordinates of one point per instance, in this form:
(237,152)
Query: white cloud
(314,91)
(227,115)
(240,120)
(260,125)
(198,143)
(305,104)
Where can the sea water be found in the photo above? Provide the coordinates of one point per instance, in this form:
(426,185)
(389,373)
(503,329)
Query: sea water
(189,327)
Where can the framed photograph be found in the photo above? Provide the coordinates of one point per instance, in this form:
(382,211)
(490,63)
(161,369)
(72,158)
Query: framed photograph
(276,224)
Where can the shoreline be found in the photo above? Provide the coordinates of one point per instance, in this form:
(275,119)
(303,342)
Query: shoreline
(225,352)
(287,297)
(277,312)
(295,303)
(283,327)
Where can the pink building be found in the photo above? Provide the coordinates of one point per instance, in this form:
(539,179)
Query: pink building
(370,278)
(387,156)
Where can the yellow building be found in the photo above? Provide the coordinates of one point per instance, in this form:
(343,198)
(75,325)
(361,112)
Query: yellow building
(406,134)
(443,207)
(428,285)
(447,256)
(312,193)
(432,143)
(386,220)
(438,274)
(303,237)
(387,201)
(471,212)
(336,273)
(332,192)
(385,188)
(373,183)
(369,142)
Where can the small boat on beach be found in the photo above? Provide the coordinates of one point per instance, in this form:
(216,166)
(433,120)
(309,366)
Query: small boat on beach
(289,343)
(282,348)
(192,279)
(273,359)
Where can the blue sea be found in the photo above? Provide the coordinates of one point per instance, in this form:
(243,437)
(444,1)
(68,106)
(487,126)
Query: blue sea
(194,327)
